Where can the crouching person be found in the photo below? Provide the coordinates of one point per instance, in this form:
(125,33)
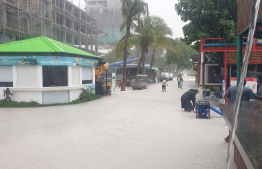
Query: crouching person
(187,98)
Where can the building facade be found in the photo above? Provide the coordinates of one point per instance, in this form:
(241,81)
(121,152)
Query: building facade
(109,14)
(57,19)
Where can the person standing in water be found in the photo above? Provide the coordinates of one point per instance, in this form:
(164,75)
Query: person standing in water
(164,84)
(181,81)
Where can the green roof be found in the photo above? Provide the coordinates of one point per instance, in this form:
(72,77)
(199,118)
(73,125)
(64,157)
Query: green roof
(40,45)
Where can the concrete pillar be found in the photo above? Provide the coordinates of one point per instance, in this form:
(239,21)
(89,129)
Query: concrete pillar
(39,70)
(14,76)
(72,39)
(96,43)
(94,75)
(87,44)
(81,75)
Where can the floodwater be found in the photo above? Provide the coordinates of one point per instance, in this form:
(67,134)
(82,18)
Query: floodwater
(134,129)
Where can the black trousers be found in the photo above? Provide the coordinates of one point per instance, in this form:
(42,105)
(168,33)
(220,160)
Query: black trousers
(163,88)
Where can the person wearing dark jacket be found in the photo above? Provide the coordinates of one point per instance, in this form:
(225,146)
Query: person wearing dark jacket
(178,80)
(186,99)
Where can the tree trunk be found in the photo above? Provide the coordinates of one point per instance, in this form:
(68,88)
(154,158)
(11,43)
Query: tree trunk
(125,56)
(143,65)
(139,63)
(151,64)
(138,66)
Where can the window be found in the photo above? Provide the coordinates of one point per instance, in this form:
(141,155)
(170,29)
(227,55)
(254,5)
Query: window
(25,25)
(68,23)
(57,18)
(87,75)
(212,74)
(61,20)
(68,38)
(76,75)
(42,9)
(76,26)
(62,34)
(24,5)
(68,7)
(6,76)
(55,76)
(11,19)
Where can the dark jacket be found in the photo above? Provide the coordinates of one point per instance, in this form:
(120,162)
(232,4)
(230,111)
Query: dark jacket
(187,97)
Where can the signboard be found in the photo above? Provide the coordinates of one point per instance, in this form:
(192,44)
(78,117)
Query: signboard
(54,61)
(251,83)
(46,61)
(113,84)
(91,88)
(233,81)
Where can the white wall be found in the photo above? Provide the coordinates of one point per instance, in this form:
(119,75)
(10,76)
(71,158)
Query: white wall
(26,96)
(60,96)
(76,80)
(27,76)
(74,94)
(28,83)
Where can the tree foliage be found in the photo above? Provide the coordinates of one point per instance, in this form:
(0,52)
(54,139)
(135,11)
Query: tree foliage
(111,58)
(208,19)
(182,61)
(152,32)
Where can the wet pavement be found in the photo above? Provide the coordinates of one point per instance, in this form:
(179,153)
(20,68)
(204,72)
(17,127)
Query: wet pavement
(134,129)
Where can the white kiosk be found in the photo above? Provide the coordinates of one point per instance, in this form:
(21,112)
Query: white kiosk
(46,71)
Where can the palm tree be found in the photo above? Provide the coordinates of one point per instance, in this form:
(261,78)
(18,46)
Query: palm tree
(159,46)
(152,32)
(130,9)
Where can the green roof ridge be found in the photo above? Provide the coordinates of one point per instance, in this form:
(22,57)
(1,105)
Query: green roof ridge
(51,44)
(69,49)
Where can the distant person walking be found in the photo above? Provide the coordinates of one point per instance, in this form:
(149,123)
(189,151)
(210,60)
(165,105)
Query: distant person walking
(178,80)
(187,98)
(164,84)
(181,81)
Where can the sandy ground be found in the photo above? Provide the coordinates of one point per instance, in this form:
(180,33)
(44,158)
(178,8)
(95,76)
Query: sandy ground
(134,129)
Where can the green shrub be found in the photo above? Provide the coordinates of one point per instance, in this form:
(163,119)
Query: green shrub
(82,99)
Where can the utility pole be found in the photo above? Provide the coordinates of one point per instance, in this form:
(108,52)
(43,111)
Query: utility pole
(30,8)
(3,21)
(18,21)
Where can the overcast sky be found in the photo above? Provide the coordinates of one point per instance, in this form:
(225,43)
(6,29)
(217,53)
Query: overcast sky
(166,10)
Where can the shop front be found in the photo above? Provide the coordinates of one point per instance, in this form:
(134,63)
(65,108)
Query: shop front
(218,67)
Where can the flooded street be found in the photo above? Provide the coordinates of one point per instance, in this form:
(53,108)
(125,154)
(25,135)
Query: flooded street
(134,129)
